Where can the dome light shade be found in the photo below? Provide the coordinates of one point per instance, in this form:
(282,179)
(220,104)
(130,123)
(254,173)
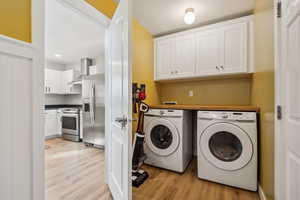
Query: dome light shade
(189,17)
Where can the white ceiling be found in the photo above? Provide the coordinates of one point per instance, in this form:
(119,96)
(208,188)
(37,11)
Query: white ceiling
(71,34)
(166,16)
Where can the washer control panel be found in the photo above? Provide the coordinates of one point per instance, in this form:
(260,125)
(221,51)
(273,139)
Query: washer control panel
(164,113)
(225,115)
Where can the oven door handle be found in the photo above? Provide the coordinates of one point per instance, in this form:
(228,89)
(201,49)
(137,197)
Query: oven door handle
(70,115)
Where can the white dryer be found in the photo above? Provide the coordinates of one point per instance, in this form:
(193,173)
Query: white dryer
(227,148)
(168,138)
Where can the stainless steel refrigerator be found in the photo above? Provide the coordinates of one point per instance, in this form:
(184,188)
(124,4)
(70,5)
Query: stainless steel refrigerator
(93,110)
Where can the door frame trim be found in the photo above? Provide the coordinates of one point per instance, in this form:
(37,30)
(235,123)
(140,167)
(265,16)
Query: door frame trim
(38,48)
(278,149)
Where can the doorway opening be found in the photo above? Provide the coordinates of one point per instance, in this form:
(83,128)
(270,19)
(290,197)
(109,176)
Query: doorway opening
(74,101)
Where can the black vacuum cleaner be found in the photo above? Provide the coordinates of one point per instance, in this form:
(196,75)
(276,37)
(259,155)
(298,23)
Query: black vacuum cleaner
(139,176)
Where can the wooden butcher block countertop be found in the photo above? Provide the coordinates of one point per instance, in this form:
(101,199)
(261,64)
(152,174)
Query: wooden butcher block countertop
(207,107)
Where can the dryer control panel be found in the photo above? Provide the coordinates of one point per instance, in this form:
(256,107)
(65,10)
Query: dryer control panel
(225,115)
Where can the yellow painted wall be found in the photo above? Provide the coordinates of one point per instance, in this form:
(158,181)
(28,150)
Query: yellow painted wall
(143,63)
(263,91)
(235,91)
(15,19)
(106,7)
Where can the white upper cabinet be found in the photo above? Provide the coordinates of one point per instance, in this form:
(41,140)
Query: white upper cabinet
(220,49)
(67,86)
(208,50)
(164,58)
(234,48)
(184,56)
(60,82)
(52,81)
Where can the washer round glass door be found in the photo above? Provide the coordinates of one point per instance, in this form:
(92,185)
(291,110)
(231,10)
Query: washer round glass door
(162,137)
(226,146)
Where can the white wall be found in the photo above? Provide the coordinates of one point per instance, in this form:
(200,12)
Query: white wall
(55,66)
(16,130)
(99,62)
(72,99)
(54,99)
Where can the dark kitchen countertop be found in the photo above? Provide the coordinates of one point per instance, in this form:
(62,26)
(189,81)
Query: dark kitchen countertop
(55,107)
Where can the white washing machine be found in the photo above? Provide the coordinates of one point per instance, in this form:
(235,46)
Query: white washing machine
(168,139)
(227,148)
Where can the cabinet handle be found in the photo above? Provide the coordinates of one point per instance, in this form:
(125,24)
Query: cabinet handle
(176,71)
(172,72)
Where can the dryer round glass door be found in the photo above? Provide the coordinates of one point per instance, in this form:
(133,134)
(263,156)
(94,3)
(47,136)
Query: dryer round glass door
(162,137)
(226,146)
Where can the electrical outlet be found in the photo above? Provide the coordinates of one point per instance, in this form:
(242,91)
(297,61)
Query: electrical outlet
(191,93)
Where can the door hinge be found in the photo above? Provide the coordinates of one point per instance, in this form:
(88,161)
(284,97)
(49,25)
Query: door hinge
(279,9)
(279,112)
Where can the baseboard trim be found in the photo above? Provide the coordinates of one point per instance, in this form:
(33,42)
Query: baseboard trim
(261,193)
(52,137)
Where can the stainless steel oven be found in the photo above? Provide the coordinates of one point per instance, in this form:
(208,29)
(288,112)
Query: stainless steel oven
(70,121)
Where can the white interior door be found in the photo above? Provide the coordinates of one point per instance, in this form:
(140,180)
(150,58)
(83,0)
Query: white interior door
(288,135)
(118,103)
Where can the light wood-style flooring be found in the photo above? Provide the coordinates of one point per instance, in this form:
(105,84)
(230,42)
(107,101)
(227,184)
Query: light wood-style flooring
(74,171)
(166,185)
(77,172)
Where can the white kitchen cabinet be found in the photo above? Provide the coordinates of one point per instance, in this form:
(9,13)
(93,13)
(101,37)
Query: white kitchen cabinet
(53,81)
(51,123)
(221,49)
(60,82)
(59,122)
(67,86)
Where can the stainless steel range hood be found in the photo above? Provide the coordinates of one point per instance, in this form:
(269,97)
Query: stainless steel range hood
(85,66)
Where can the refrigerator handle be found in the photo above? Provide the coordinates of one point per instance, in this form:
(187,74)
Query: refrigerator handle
(92,104)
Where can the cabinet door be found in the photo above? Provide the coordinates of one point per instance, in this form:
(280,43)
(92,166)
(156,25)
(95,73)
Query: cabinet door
(51,123)
(234,45)
(163,59)
(53,81)
(66,79)
(59,123)
(184,56)
(47,81)
(57,86)
(208,48)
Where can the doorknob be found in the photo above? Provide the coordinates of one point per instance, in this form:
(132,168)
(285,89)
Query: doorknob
(122,121)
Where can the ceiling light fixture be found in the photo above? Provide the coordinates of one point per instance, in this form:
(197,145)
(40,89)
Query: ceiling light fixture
(57,55)
(189,17)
